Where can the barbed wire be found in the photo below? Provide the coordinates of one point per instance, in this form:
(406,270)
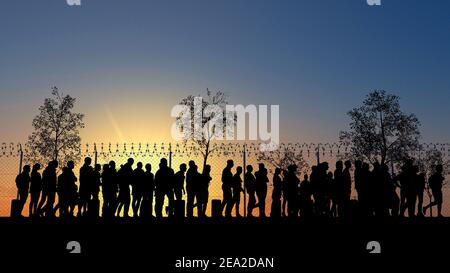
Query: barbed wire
(187,149)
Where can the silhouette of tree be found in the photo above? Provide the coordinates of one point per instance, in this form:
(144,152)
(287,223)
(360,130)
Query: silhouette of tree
(56,131)
(380,131)
(203,138)
(283,157)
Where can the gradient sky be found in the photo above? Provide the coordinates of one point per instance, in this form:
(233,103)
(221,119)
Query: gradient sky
(128,62)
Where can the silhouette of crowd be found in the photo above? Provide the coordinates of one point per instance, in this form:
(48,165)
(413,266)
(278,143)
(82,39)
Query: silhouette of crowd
(321,193)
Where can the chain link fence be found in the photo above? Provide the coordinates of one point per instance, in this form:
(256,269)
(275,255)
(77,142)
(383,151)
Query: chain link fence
(11,160)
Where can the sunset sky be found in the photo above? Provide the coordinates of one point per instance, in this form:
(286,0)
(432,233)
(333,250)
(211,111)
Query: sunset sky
(129,62)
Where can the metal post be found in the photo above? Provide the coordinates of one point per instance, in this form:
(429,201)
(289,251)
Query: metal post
(20,164)
(170,155)
(245,188)
(95,154)
(318,154)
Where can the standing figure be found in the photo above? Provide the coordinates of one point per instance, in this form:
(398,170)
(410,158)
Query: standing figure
(35,189)
(227,181)
(163,183)
(44,196)
(192,177)
(149,188)
(237,189)
(63,193)
(23,185)
(421,181)
(276,194)
(203,192)
(125,176)
(339,182)
(284,189)
(435,182)
(261,188)
(346,187)
(357,173)
(250,188)
(137,185)
(86,177)
(179,182)
(109,189)
(49,180)
(293,187)
(306,203)
(67,190)
(94,202)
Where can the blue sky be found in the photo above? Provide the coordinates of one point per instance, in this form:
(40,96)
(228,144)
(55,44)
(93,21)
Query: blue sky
(128,62)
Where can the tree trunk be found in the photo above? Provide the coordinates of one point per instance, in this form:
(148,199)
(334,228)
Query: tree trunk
(55,156)
(205,158)
(383,136)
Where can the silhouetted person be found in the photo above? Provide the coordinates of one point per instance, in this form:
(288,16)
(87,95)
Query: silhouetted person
(125,176)
(339,186)
(364,186)
(346,186)
(394,199)
(138,188)
(63,193)
(293,184)
(375,189)
(67,190)
(408,194)
(179,182)
(192,177)
(321,188)
(250,188)
(411,190)
(23,185)
(383,192)
(40,210)
(49,181)
(96,181)
(285,194)
(93,208)
(306,203)
(357,174)
(227,181)
(35,189)
(275,210)
(237,189)
(314,184)
(330,199)
(203,192)
(86,181)
(149,188)
(421,181)
(261,181)
(163,184)
(109,189)
(435,182)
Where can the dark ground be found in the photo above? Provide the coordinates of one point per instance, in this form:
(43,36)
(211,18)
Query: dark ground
(150,244)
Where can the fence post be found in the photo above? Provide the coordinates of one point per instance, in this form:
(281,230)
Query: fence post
(170,155)
(95,154)
(245,188)
(20,164)
(318,154)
